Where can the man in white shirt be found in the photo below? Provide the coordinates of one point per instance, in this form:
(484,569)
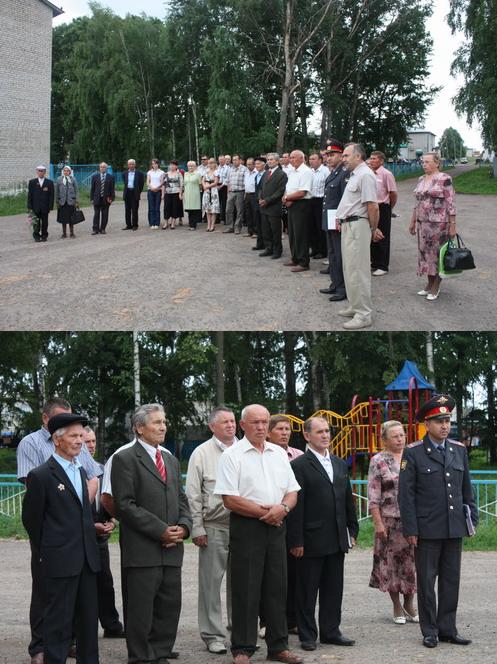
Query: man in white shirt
(250,199)
(297,201)
(210,531)
(258,487)
(317,239)
(321,530)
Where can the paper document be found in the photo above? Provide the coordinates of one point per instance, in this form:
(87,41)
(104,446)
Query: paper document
(331,218)
(469,521)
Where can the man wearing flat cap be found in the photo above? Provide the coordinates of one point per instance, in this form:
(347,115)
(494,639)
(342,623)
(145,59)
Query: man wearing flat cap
(334,187)
(437,510)
(41,195)
(58,518)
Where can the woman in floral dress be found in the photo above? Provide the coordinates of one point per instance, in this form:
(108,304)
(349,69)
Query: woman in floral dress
(433,220)
(393,558)
(210,198)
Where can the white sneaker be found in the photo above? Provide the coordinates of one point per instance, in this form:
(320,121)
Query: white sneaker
(357,323)
(422,292)
(379,273)
(217,647)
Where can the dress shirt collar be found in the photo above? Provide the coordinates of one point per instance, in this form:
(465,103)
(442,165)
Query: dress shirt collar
(246,446)
(41,181)
(222,446)
(274,168)
(436,444)
(321,457)
(150,449)
(65,463)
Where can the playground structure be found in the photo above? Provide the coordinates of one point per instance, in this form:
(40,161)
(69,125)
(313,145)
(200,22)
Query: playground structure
(357,434)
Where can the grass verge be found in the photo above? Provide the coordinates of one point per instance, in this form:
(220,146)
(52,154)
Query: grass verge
(476,181)
(10,205)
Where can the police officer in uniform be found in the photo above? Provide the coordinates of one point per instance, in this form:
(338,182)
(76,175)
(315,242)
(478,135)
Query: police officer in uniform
(333,190)
(434,492)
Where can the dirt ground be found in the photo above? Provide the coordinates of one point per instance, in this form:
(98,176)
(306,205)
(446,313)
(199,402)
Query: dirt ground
(366,617)
(180,280)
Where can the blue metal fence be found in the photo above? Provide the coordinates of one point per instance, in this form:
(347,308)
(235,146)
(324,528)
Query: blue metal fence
(83,173)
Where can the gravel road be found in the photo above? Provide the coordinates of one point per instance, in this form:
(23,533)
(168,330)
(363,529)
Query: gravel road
(366,616)
(181,280)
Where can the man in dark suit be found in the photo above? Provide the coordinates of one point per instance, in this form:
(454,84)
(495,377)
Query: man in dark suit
(272,190)
(154,520)
(57,516)
(40,201)
(334,187)
(102,193)
(133,186)
(320,530)
(434,495)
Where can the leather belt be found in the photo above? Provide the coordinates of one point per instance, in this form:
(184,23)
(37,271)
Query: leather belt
(351,219)
(238,191)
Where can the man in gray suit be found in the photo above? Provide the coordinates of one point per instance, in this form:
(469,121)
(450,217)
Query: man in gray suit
(154,520)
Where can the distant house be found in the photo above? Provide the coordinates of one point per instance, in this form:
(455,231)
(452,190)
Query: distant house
(418,141)
(25,88)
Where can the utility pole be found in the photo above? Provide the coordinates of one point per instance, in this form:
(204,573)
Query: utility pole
(429,356)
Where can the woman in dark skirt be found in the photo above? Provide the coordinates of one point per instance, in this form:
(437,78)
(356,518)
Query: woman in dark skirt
(173,194)
(66,199)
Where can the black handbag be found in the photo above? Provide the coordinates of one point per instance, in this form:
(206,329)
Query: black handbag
(458,256)
(77,217)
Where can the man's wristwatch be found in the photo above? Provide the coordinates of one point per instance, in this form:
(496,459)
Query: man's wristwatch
(285,507)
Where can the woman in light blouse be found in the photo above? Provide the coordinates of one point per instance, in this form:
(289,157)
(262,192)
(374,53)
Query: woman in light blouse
(433,221)
(393,558)
(172,189)
(192,183)
(155,178)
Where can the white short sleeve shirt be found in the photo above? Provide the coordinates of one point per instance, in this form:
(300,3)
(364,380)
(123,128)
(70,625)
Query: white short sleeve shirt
(263,477)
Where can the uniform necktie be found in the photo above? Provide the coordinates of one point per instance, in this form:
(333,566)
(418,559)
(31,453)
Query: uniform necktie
(441,449)
(102,184)
(159,462)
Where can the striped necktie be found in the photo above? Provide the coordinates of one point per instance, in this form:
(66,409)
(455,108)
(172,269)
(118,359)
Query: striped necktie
(159,462)
(102,184)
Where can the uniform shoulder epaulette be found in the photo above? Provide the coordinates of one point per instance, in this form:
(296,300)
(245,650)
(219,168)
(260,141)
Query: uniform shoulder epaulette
(455,442)
(416,444)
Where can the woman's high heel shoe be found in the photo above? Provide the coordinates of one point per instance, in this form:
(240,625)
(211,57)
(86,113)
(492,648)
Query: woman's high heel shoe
(433,296)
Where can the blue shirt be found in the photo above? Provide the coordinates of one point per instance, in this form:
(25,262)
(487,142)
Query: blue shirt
(37,447)
(71,469)
(131,179)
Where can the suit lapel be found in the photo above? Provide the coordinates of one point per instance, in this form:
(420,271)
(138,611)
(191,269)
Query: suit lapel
(317,465)
(147,462)
(60,474)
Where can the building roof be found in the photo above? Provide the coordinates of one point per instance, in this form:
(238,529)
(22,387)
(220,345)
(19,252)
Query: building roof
(403,379)
(57,11)
(420,131)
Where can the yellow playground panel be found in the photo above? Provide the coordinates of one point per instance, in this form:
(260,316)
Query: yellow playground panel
(359,430)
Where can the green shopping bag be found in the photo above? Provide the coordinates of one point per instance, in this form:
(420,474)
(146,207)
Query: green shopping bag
(442,273)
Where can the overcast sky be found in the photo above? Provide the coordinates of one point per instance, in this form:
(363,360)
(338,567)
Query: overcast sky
(440,114)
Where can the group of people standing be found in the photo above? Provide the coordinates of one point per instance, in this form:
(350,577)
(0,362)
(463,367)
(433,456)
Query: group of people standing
(337,208)
(277,521)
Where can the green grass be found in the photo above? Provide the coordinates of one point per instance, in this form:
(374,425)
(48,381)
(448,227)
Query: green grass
(10,205)
(8,462)
(409,176)
(484,540)
(476,181)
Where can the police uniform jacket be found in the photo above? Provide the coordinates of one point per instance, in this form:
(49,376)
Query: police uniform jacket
(59,525)
(334,187)
(433,490)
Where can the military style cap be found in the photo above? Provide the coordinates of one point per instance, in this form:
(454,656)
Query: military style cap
(65,420)
(334,145)
(440,405)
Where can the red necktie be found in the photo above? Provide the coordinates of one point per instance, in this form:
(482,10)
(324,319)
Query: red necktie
(159,462)
(270,175)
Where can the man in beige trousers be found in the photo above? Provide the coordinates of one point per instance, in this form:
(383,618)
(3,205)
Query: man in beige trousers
(358,215)
(210,530)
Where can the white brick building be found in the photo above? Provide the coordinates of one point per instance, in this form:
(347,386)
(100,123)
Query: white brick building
(25,87)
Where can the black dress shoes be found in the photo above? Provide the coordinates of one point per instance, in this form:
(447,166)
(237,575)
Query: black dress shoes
(274,256)
(430,641)
(114,634)
(337,298)
(327,291)
(266,252)
(457,640)
(339,641)
(325,271)
(308,645)
(256,248)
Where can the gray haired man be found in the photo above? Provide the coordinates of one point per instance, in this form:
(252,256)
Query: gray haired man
(210,530)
